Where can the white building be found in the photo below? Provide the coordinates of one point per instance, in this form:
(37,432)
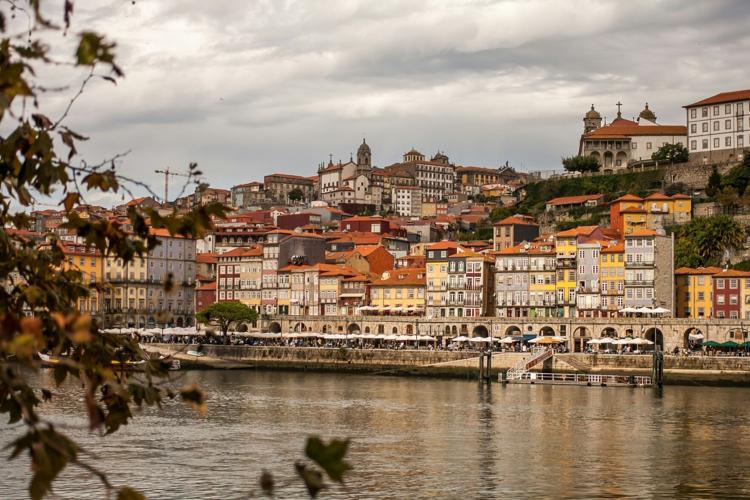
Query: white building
(624,141)
(350,183)
(407,201)
(718,126)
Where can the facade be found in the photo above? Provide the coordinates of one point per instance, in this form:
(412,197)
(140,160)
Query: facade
(612,280)
(435,177)
(249,194)
(648,257)
(278,187)
(588,261)
(623,141)
(351,183)
(512,281)
(569,202)
(89,262)
(513,230)
(718,126)
(728,286)
(240,276)
(406,201)
(471,179)
(399,290)
(694,292)
(657,211)
(437,256)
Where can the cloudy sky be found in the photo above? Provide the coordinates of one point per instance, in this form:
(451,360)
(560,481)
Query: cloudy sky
(255,87)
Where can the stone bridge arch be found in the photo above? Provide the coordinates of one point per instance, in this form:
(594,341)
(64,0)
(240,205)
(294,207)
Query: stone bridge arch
(274,327)
(352,329)
(480,331)
(687,342)
(547,331)
(513,330)
(300,327)
(581,335)
(655,335)
(609,331)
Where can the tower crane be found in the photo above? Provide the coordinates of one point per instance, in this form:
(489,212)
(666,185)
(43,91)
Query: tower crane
(167,172)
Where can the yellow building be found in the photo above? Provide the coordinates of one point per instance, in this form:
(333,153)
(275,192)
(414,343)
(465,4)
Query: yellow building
(437,276)
(612,277)
(566,250)
(399,290)
(89,262)
(694,290)
(542,279)
(631,213)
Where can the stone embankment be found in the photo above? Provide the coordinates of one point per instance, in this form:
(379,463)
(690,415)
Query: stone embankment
(463,364)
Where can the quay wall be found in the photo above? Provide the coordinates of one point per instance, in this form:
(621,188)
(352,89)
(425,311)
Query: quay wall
(464,364)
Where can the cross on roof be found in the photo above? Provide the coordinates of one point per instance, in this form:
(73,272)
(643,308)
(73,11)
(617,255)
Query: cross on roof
(619,104)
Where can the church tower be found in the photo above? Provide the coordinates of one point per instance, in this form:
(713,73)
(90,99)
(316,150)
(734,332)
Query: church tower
(364,156)
(592,120)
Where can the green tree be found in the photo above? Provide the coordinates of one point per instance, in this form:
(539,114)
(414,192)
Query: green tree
(38,296)
(296,194)
(673,153)
(225,314)
(706,241)
(714,183)
(738,177)
(728,199)
(581,164)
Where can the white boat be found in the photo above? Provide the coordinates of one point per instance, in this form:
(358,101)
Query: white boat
(197,354)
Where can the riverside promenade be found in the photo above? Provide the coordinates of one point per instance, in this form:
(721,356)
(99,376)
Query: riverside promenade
(667,333)
(698,370)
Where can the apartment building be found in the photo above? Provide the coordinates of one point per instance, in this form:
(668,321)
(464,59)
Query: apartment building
(719,126)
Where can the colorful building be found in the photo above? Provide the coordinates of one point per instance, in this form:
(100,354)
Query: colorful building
(399,290)
(695,292)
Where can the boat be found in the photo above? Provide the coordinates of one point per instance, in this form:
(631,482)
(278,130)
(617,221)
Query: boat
(195,353)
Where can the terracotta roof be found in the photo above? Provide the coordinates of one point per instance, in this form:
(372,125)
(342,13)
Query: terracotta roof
(578,231)
(628,197)
(254,251)
(658,196)
(365,250)
(289,176)
(205,258)
(736,95)
(163,233)
(484,170)
(641,232)
(444,245)
(698,270)
(616,248)
(732,273)
(211,285)
(680,196)
(404,277)
(572,200)
(625,130)
(514,219)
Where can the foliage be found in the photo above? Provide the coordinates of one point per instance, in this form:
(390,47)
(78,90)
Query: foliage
(676,188)
(226,314)
(581,163)
(673,153)
(714,182)
(38,296)
(296,194)
(728,199)
(706,241)
(738,177)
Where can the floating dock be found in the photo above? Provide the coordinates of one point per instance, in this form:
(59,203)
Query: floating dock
(584,379)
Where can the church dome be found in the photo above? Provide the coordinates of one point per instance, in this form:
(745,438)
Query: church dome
(363,148)
(593,114)
(647,114)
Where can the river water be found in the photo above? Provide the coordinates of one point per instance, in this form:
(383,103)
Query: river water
(419,438)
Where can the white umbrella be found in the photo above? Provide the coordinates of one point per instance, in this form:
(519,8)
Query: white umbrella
(696,336)
(640,341)
(460,339)
(506,340)
(644,310)
(628,310)
(390,337)
(480,339)
(660,310)
(594,341)
(622,341)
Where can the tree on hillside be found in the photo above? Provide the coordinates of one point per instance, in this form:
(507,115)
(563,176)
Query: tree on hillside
(673,153)
(676,188)
(728,199)
(296,194)
(225,314)
(714,183)
(581,164)
(738,177)
(706,241)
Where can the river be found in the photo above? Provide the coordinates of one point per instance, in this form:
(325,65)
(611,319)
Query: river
(419,438)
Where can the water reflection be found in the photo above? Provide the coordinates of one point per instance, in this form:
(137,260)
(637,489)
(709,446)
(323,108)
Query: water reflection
(422,438)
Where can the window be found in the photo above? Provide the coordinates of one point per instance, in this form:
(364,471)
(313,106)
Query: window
(648,145)
(716,110)
(727,124)
(728,141)
(693,128)
(704,112)
(716,142)
(727,109)
(704,144)
(693,145)
(704,127)
(693,113)
(716,126)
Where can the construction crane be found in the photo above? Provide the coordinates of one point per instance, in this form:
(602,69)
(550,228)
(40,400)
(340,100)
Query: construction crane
(167,172)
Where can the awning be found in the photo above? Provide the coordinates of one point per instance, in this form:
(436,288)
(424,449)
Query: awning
(695,336)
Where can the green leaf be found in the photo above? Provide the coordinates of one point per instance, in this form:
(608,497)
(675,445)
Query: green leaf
(330,457)
(128,493)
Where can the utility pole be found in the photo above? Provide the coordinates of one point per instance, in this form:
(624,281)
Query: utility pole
(167,172)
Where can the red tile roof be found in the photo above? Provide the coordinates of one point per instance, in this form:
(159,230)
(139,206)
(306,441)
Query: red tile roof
(736,95)
(624,130)
(516,220)
(641,232)
(574,200)
(698,270)
(205,258)
(403,277)
(628,197)
(578,231)
(254,251)
(732,273)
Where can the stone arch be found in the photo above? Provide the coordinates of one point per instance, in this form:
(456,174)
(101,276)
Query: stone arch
(512,330)
(656,336)
(622,158)
(189,321)
(274,327)
(409,330)
(547,331)
(151,322)
(179,321)
(381,329)
(580,337)
(327,328)
(608,331)
(608,160)
(447,330)
(480,331)
(394,331)
(595,154)
(581,332)
(352,329)
(687,342)
(367,329)
(242,328)
(300,327)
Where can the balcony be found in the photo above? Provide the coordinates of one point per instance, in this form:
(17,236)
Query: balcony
(644,264)
(639,282)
